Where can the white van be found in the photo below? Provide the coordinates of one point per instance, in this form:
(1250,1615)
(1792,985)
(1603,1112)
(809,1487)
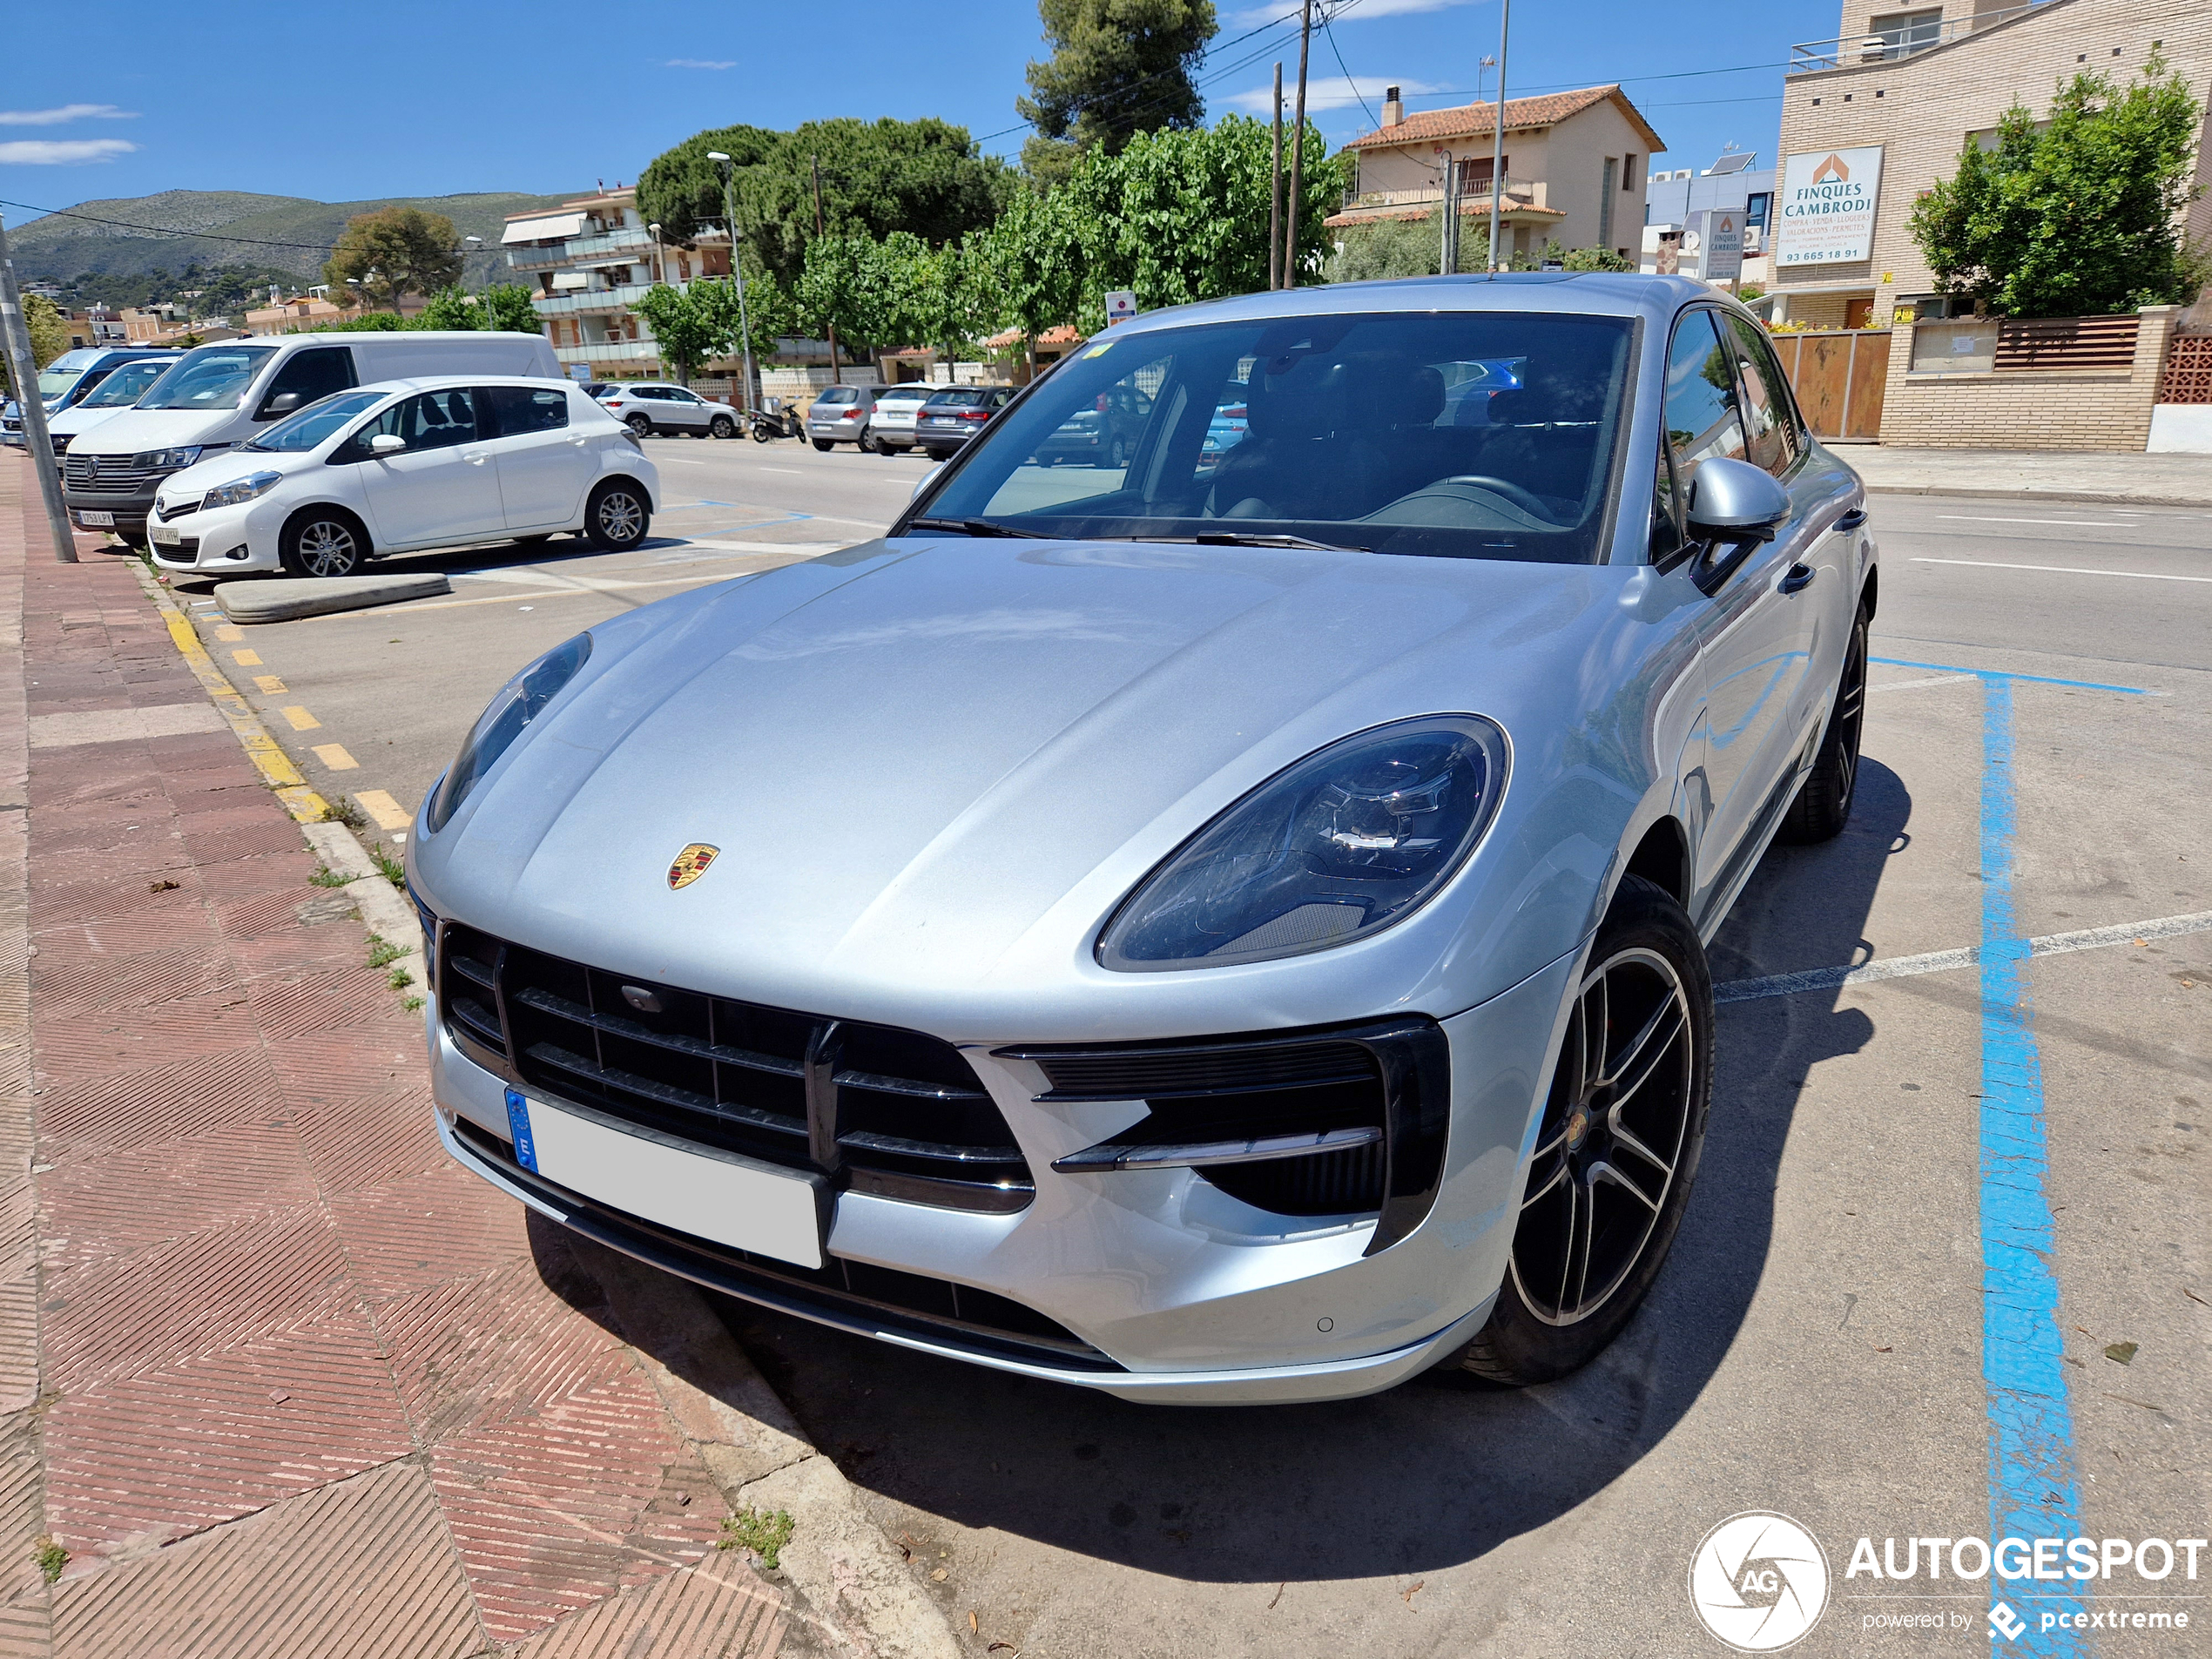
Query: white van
(216,397)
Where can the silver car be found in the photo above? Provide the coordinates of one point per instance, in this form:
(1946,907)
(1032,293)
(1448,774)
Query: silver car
(648,407)
(1226,930)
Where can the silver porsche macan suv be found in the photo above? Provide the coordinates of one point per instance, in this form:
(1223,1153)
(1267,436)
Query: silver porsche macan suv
(1222,926)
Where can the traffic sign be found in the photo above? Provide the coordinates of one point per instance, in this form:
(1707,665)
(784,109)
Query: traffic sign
(1120,306)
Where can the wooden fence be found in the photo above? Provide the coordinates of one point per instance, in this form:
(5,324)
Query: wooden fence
(1839,380)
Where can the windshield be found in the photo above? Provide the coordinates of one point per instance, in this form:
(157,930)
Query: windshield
(303,431)
(128,384)
(53,382)
(208,377)
(1467,436)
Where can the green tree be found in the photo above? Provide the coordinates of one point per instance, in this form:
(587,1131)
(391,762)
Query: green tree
(506,307)
(927,178)
(950,297)
(842,284)
(1033,259)
(689,323)
(448,309)
(2081,216)
(1118,68)
(49,333)
(395,250)
(1386,249)
(1596,258)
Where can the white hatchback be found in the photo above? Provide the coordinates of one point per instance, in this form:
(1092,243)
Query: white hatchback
(892,426)
(405,465)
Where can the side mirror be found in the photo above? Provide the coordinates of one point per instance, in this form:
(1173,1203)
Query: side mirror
(386,443)
(924,481)
(1734,501)
(282,403)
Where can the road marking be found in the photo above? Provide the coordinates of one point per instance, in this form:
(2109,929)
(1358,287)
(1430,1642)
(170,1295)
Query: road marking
(229,632)
(2071,523)
(247,659)
(333,756)
(270,684)
(1999,673)
(1944,962)
(302,720)
(1933,680)
(387,812)
(2066,569)
(796,472)
(677,460)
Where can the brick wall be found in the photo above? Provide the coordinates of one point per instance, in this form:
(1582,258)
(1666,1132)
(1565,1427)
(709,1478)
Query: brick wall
(2089,410)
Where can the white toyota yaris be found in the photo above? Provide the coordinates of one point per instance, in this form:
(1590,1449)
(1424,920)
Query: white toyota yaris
(409,464)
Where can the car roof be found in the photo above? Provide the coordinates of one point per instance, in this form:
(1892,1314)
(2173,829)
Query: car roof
(441,382)
(1606,293)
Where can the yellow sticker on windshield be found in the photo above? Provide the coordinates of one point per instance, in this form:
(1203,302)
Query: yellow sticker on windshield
(1100,349)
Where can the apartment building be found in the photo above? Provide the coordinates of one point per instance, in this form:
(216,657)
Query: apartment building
(1574,170)
(304,312)
(1684,207)
(590,261)
(1873,119)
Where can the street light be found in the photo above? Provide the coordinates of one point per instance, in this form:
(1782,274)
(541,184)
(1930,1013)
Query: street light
(737,271)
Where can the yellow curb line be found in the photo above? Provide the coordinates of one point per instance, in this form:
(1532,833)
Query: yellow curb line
(290,785)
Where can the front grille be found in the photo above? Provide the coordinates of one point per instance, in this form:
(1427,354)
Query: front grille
(178,508)
(183,550)
(1346,1121)
(105,475)
(853,1295)
(876,1108)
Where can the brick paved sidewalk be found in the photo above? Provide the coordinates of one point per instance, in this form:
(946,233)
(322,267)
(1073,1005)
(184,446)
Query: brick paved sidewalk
(279,1378)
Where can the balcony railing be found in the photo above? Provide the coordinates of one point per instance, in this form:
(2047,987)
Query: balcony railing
(1889,45)
(613,351)
(601,297)
(610,243)
(1518,193)
(538,258)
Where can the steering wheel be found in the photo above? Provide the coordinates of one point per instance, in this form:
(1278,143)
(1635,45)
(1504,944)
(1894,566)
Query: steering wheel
(1512,492)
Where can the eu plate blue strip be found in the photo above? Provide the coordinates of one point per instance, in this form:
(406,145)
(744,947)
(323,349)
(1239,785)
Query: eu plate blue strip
(518,1126)
(2032,1490)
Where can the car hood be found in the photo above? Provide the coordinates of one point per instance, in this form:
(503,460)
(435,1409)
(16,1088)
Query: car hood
(133,431)
(941,764)
(203,476)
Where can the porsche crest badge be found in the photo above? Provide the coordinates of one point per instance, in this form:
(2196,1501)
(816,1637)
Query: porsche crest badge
(691,864)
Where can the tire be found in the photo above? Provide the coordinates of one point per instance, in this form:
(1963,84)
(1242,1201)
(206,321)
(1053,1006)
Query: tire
(1117,456)
(824,445)
(939,454)
(1613,1168)
(323,541)
(761,434)
(640,425)
(135,540)
(617,515)
(1823,806)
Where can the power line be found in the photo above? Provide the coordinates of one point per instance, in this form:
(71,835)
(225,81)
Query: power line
(1353,85)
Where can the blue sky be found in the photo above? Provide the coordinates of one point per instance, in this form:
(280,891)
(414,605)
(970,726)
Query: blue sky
(410,98)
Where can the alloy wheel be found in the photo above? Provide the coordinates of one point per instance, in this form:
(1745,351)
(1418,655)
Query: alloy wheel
(328,548)
(1850,716)
(621,519)
(1612,1138)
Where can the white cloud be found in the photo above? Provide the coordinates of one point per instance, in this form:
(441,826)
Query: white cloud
(1258,17)
(66,112)
(61,153)
(1323,92)
(700,62)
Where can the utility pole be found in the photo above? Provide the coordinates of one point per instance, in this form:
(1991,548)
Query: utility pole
(737,271)
(1275,193)
(1498,134)
(836,374)
(1298,152)
(23,372)
(1449,219)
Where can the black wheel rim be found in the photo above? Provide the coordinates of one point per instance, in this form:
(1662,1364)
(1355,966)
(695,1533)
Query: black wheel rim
(328,548)
(620,517)
(1611,1140)
(1851,714)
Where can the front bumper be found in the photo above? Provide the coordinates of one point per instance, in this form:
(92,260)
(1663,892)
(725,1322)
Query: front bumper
(231,540)
(1182,1295)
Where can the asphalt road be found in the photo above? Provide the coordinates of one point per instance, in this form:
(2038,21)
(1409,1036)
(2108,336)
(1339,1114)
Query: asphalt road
(1815,1344)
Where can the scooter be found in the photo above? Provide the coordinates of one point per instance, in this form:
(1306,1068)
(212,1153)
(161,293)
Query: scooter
(767,425)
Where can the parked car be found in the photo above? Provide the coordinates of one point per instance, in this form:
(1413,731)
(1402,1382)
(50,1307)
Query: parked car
(841,415)
(1275,966)
(1103,435)
(951,418)
(122,388)
(72,376)
(216,397)
(891,428)
(404,464)
(1226,427)
(649,407)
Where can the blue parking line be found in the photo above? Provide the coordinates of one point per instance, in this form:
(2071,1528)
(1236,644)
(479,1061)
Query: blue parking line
(2032,1490)
(1988,675)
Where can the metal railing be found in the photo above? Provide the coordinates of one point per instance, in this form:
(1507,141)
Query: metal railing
(604,297)
(1521,193)
(1890,45)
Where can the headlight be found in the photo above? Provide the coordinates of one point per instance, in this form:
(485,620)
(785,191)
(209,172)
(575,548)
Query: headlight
(246,489)
(167,460)
(520,701)
(1340,845)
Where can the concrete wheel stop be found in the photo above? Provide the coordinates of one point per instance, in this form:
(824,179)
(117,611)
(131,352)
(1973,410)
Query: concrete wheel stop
(285,598)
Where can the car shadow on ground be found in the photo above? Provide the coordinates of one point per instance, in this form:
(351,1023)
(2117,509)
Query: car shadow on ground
(1434,1474)
(552,552)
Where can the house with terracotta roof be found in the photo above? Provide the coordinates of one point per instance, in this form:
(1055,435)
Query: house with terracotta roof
(1574,169)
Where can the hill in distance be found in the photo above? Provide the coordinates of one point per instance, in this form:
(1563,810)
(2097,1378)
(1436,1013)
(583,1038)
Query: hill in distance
(287,232)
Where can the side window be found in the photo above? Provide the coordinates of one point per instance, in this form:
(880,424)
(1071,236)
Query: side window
(514,411)
(1701,414)
(428,421)
(1766,400)
(307,377)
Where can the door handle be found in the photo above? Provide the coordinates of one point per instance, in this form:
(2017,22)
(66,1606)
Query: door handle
(1798,578)
(1850,521)
(475,461)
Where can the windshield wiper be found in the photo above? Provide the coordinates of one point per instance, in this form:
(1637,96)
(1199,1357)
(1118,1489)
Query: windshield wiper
(973,527)
(1261,538)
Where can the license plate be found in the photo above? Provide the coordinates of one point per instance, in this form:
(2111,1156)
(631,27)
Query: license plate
(706,1193)
(95,521)
(166,534)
